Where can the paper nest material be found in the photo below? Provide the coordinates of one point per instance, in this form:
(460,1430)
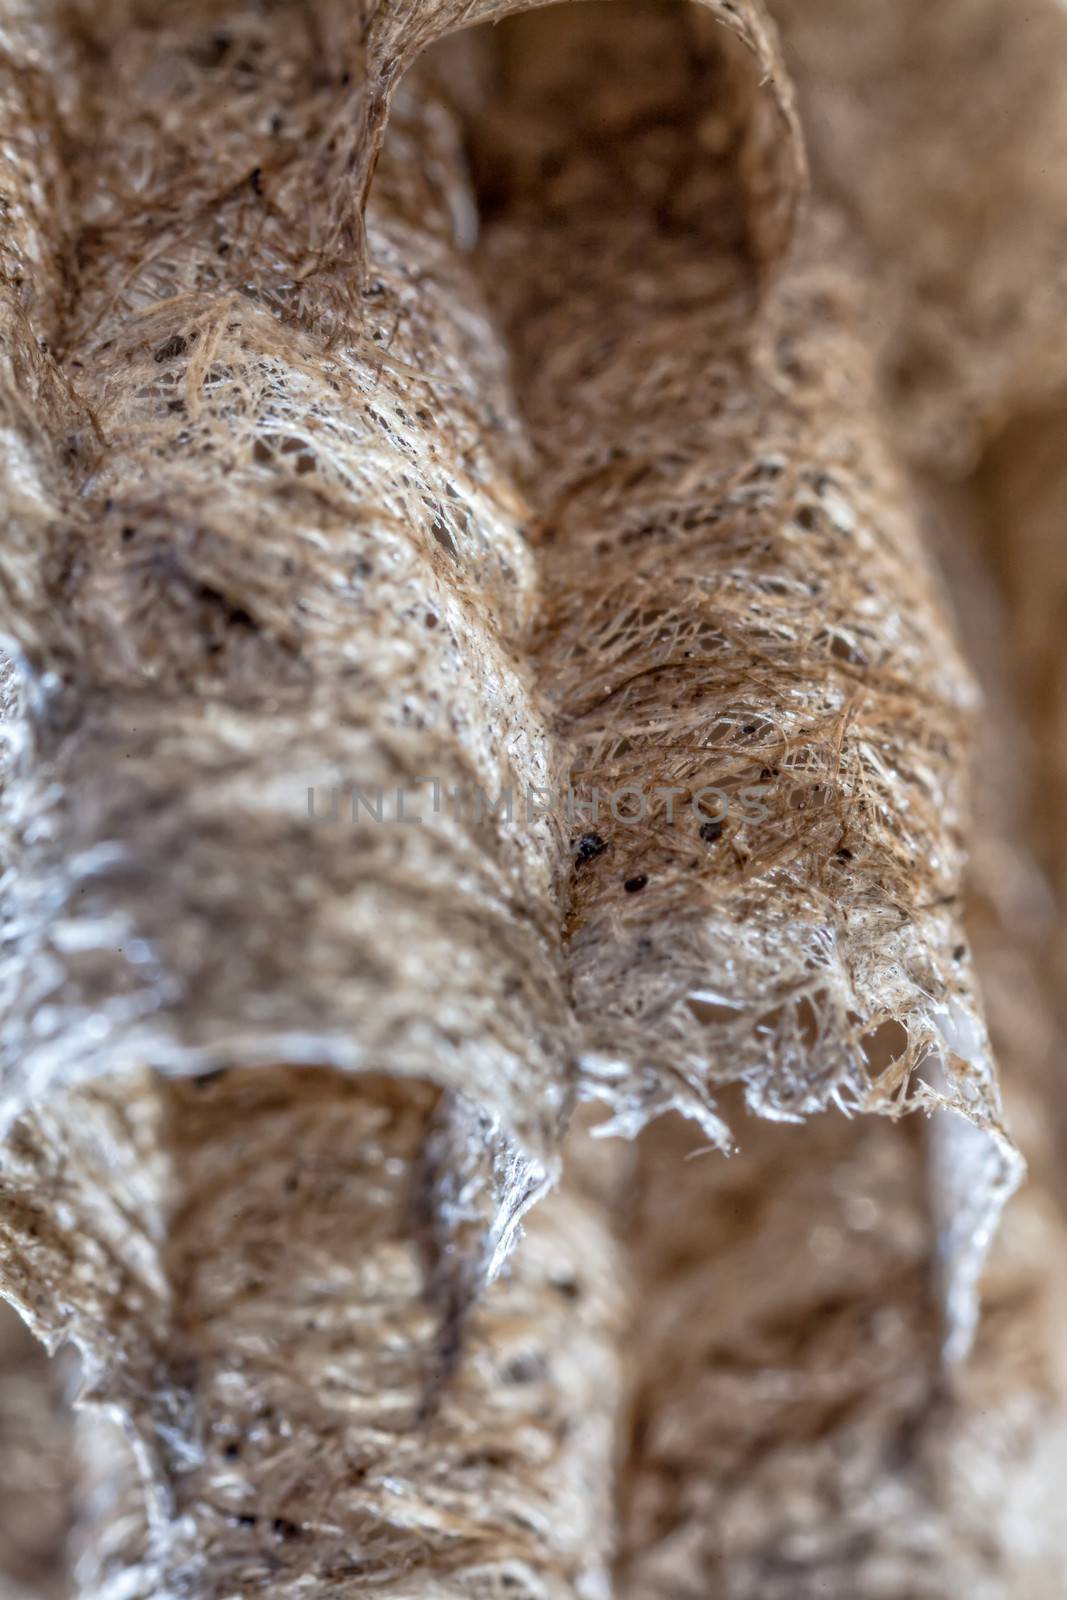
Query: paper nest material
(472,649)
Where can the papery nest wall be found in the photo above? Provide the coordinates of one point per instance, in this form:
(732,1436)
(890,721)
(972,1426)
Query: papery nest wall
(333,467)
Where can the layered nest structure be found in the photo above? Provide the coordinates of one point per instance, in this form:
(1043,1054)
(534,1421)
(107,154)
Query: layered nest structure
(533,716)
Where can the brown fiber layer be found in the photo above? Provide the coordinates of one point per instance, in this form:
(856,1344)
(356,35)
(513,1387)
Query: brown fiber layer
(471,646)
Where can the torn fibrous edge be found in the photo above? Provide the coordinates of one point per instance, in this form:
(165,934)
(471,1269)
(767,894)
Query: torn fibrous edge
(974,1164)
(945,1071)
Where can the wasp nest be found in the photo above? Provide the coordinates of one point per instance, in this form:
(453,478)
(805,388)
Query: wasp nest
(483,532)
